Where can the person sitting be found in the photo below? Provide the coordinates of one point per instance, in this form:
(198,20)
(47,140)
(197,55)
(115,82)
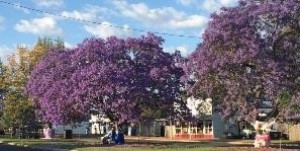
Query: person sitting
(120,137)
(111,136)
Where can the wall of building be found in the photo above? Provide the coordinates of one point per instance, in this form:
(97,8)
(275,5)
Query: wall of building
(294,132)
(202,129)
(218,129)
(76,129)
(155,128)
(99,124)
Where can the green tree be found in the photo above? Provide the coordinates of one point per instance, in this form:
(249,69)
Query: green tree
(18,110)
(43,46)
(3,87)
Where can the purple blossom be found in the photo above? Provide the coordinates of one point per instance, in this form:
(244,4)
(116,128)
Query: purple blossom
(262,35)
(117,77)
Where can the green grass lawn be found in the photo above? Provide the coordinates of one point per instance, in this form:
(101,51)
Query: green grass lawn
(135,145)
(144,149)
(93,145)
(42,143)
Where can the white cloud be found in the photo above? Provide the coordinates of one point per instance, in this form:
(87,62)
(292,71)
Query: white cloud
(214,5)
(184,50)
(89,12)
(5,51)
(228,2)
(79,15)
(166,16)
(1,22)
(186,2)
(17,7)
(189,22)
(97,13)
(39,26)
(68,45)
(105,30)
(49,3)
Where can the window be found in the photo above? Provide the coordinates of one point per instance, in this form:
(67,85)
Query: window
(200,127)
(178,130)
(178,127)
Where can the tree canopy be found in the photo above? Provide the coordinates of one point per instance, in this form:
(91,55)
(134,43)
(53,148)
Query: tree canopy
(120,78)
(250,54)
(17,110)
(2,85)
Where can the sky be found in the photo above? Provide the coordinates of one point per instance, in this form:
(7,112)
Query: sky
(104,18)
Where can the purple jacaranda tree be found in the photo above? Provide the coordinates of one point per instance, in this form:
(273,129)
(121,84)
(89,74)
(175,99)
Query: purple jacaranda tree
(120,78)
(250,54)
(49,87)
(157,78)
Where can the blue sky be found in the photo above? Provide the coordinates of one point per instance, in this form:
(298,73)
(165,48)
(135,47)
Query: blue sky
(19,26)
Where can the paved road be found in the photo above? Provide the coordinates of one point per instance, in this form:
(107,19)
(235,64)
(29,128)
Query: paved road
(6,147)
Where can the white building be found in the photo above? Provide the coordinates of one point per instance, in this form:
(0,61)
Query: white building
(99,124)
(96,125)
(79,128)
(207,126)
